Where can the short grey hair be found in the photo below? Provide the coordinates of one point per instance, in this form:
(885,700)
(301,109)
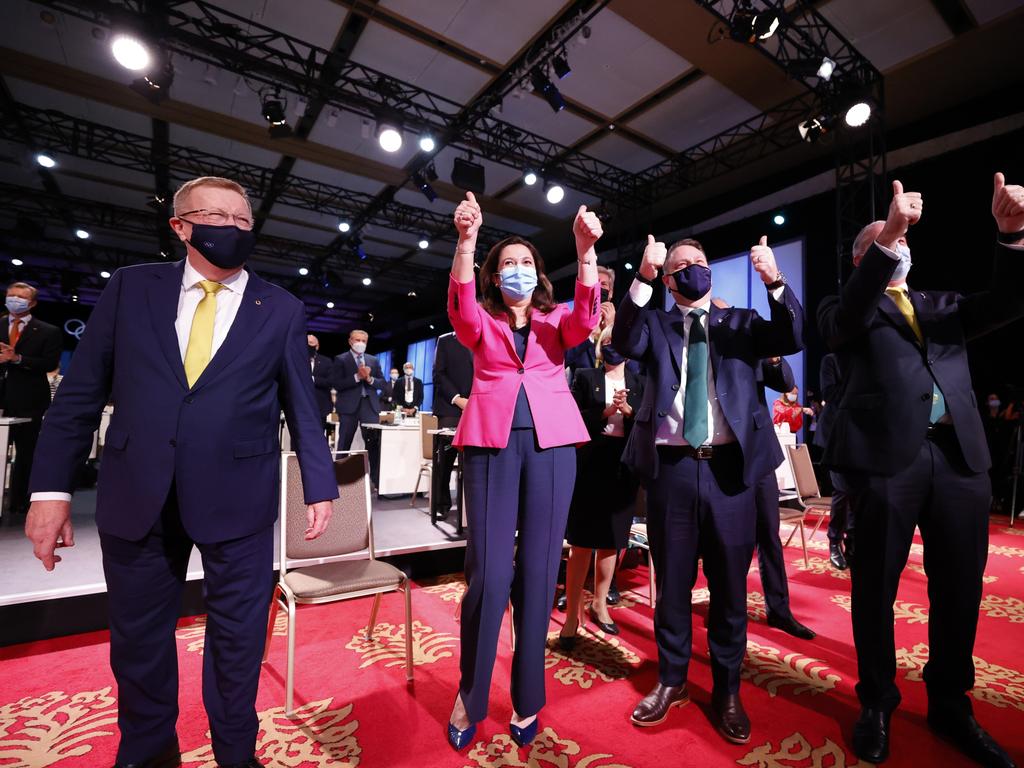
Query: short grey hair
(865,238)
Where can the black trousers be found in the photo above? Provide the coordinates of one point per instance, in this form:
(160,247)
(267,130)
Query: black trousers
(949,503)
(24,436)
(770,560)
(144,584)
(841,519)
(697,509)
(447,460)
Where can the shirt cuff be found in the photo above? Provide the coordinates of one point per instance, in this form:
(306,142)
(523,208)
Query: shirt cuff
(888,251)
(640,293)
(50,496)
(1013,247)
(455,398)
(356,377)
(777,293)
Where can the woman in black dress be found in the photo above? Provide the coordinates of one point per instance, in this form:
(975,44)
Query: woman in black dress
(605,495)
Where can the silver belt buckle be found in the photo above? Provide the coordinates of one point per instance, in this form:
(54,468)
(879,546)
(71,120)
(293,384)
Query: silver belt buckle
(704,452)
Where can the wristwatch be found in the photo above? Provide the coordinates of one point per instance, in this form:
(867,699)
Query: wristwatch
(642,279)
(779,281)
(1009,238)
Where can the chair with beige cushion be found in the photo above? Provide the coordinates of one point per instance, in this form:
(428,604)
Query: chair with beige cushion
(808,494)
(351,569)
(428,422)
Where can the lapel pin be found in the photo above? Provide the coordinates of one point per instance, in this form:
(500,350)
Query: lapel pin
(258,302)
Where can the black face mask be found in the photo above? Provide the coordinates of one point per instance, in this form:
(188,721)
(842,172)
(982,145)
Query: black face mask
(605,295)
(693,281)
(226,247)
(312,351)
(611,356)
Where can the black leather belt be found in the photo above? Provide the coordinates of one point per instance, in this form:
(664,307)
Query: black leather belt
(701,452)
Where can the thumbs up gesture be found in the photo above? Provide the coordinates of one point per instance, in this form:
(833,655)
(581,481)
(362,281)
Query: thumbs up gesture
(587,229)
(763,260)
(1008,206)
(904,211)
(468,218)
(654,258)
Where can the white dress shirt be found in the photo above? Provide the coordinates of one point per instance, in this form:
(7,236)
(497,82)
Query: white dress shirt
(409,389)
(229,298)
(671,430)
(615,425)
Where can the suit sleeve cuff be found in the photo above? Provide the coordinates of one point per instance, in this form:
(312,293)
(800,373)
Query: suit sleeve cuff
(888,251)
(50,496)
(640,293)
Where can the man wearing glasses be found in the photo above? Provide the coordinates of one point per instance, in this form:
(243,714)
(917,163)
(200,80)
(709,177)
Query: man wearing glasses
(200,357)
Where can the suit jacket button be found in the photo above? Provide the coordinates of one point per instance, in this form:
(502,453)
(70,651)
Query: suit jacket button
(190,399)
(926,396)
(521,371)
(675,387)
(173,443)
(661,414)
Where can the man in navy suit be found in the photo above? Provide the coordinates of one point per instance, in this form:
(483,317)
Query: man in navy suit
(357,378)
(320,366)
(908,439)
(700,443)
(200,357)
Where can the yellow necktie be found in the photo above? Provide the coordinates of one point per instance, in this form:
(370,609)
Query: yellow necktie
(200,338)
(906,309)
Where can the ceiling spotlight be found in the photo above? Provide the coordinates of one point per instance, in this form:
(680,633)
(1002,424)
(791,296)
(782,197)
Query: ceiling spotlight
(74,297)
(561,66)
(274,114)
(427,143)
(344,226)
(81,234)
(813,129)
(45,160)
(367,281)
(858,114)
(747,24)
(105,275)
(357,246)
(554,193)
(389,137)
(330,305)
(303,271)
(529,178)
(431,326)
(411,294)
(155,85)
(17,262)
(424,244)
(826,69)
(627,265)
(131,53)
(424,186)
(779,220)
(547,89)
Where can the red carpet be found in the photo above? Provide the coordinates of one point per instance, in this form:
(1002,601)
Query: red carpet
(58,704)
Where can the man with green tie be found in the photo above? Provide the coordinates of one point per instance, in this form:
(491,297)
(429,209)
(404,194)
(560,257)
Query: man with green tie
(908,439)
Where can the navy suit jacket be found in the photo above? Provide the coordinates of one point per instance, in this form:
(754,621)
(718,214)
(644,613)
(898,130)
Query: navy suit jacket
(883,415)
(217,442)
(830,381)
(350,391)
(738,340)
(321,370)
(453,375)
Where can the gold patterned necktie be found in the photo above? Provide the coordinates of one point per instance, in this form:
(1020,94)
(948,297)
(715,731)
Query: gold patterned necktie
(200,338)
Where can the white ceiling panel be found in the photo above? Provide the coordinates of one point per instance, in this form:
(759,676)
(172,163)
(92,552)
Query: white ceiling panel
(701,110)
(324,221)
(42,97)
(988,10)
(316,22)
(609,84)
(327,175)
(534,115)
(105,192)
(297,232)
(226,148)
(623,153)
(888,33)
(347,135)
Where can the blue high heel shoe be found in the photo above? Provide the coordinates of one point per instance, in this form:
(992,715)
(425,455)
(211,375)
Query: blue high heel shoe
(523,736)
(460,739)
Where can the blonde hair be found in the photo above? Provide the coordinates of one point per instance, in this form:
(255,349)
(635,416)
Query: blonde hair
(207,181)
(26,287)
(610,273)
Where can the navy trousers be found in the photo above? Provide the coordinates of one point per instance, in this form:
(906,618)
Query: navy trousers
(144,583)
(349,423)
(517,487)
(769,548)
(698,508)
(949,503)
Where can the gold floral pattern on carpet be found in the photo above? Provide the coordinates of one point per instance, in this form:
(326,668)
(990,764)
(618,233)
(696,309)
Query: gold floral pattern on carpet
(194,633)
(1013,531)
(767,668)
(999,686)
(596,657)
(988,578)
(315,735)
(756,608)
(38,731)
(548,750)
(796,752)
(994,549)
(997,607)
(388,645)
(912,613)
(449,588)
(820,566)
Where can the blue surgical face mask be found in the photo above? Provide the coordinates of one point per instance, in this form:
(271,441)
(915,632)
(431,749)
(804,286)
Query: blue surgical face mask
(16,305)
(903,267)
(226,247)
(518,282)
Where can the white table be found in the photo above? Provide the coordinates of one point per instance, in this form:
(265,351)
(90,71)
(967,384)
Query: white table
(6,422)
(401,454)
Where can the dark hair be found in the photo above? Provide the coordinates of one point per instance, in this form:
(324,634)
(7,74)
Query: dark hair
(543,296)
(685,241)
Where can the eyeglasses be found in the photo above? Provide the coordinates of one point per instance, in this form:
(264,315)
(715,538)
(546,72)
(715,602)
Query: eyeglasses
(219,218)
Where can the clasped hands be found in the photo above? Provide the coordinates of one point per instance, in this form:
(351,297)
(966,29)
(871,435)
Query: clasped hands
(619,404)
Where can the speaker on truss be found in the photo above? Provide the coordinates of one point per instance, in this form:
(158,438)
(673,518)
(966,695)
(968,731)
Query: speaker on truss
(468,176)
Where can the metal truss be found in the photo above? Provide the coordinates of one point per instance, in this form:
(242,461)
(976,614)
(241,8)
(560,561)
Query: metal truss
(203,32)
(860,190)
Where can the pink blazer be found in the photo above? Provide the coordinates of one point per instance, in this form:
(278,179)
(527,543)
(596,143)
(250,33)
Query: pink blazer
(498,372)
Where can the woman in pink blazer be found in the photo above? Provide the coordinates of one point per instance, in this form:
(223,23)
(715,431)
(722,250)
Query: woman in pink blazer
(518,436)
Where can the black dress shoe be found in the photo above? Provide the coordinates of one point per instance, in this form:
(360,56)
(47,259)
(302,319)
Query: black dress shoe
(731,719)
(791,626)
(609,628)
(963,730)
(169,758)
(871,735)
(836,556)
(613,595)
(562,601)
(653,708)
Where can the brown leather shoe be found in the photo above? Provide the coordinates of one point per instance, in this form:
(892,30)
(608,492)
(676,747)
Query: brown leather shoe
(653,708)
(731,719)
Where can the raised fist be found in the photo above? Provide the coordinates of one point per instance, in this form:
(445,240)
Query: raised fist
(468,217)
(586,229)
(763,260)
(1008,206)
(904,211)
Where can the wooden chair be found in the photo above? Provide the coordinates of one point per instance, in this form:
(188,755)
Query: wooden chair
(349,534)
(808,494)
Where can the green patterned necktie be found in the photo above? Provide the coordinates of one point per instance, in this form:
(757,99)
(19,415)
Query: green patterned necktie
(695,401)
